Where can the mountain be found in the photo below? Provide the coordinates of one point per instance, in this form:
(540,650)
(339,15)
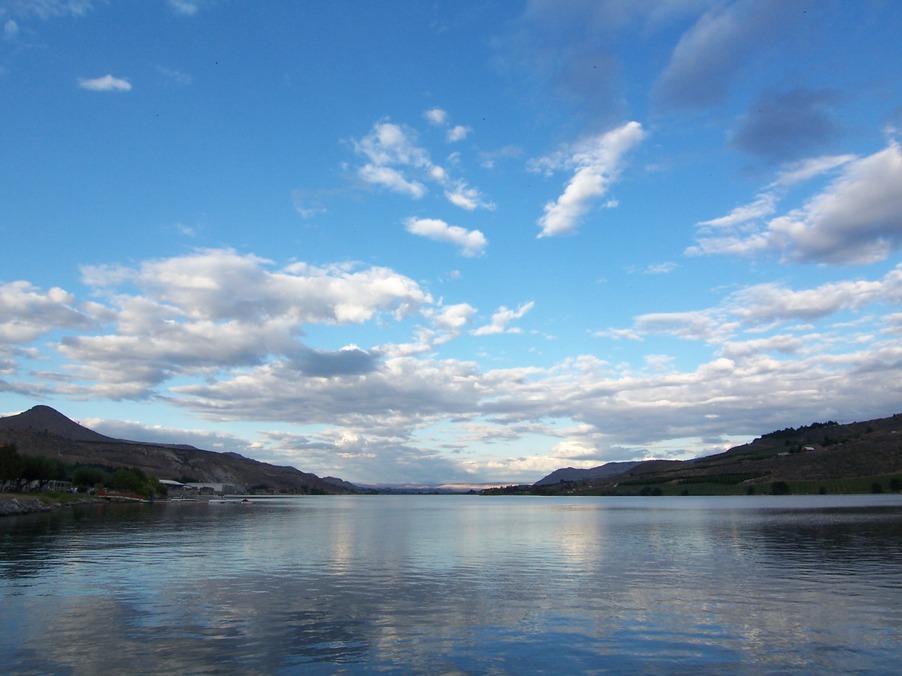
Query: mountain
(42,430)
(821,457)
(53,422)
(570,474)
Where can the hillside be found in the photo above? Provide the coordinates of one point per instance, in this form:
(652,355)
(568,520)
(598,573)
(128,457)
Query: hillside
(821,457)
(569,474)
(44,431)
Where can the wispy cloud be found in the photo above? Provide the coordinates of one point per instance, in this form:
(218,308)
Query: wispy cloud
(596,164)
(10,29)
(501,320)
(394,156)
(706,60)
(175,76)
(784,125)
(51,9)
(469,242)
(186,7)
(856,219)
(106,83)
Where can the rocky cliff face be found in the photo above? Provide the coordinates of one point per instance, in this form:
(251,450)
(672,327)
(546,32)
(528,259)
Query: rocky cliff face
(44,431)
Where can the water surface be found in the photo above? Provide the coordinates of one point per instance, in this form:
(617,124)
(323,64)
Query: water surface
(457,584)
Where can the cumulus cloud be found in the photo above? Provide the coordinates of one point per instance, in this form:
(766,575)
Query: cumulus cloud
(469,242)
(26,312)
(766,305)
(501,320)
(222,284)
(219,309)
(106,83)
(596,164)
(222,334)
(856,219)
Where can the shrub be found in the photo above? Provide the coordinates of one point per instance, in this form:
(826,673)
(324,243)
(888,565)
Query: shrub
(779,488)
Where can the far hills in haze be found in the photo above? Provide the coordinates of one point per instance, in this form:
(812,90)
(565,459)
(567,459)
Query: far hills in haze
(817,458)
(42,430)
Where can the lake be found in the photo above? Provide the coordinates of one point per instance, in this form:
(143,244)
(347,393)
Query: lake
(457,584)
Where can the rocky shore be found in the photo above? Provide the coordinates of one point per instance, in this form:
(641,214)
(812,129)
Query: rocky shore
(13,505)
(22,505)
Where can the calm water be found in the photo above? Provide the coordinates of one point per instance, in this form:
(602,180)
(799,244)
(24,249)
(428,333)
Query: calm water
(457,584)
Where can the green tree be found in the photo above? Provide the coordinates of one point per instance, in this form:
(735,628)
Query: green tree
(128,480)
(779,488)
(11,463)
(42,469)
(86,477)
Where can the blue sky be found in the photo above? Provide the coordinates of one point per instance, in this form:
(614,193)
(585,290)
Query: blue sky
(451,242)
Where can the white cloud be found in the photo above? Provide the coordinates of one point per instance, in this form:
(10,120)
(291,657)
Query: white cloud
(217,309)
(465,197)
(184,7)
(457,133)
(436,116)
(470,242)
(764,205)
(660,268)
(502,318)
(448,322)
(765,306)
(856,219)
(393,154)
(189,7)
(27,313)
(392,179)
(219,334)
(175,76)
(803,170)
(10,29)
(392,144)
(53,9)
(597,165)
(106,83)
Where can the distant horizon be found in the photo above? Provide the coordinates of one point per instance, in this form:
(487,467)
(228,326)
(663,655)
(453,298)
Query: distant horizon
(451,243)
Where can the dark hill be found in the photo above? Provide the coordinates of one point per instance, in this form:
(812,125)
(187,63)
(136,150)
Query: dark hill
(51,421)
(44,431)
(570,474)
(821,457)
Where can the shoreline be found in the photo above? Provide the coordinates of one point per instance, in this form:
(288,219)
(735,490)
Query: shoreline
(18,504)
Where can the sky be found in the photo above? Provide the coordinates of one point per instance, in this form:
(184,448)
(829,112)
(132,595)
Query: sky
(451,242)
